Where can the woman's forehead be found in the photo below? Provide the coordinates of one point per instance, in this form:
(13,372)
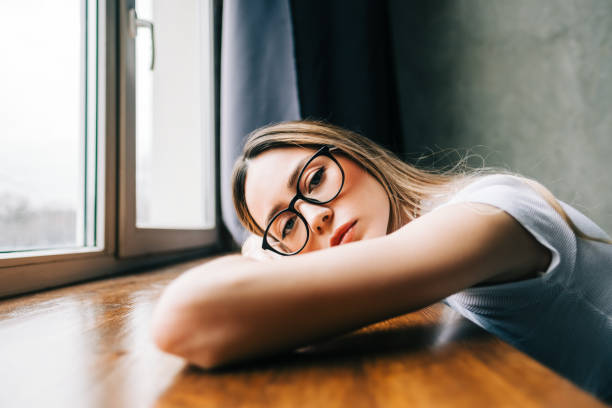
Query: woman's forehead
(267,176)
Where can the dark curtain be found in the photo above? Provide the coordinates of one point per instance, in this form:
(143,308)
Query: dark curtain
(345,69)
(312,59)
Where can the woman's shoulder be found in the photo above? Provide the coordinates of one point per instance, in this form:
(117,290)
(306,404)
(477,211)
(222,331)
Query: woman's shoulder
(528,201)
(480,182)
(498,189)
(529,204)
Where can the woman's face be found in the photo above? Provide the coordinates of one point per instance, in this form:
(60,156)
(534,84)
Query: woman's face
(360,211)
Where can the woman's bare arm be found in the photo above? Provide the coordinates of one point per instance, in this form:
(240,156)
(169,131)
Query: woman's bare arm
(237,308)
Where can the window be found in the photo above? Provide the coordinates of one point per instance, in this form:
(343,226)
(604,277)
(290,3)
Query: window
(108,138)
(48,172)
(174,142)
(166,198)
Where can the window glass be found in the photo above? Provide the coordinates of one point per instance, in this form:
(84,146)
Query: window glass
(174,133)
(48,83)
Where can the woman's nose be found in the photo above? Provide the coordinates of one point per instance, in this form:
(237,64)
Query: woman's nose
(318,216)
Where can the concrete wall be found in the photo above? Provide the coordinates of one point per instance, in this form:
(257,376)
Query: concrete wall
(526,83)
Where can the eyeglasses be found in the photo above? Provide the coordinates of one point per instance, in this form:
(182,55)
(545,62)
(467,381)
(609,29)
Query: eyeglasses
(319,182)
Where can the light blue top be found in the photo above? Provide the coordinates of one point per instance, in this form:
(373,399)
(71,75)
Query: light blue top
(563,317)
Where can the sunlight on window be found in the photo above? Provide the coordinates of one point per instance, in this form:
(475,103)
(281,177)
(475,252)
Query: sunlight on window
(42,122)
(174,133)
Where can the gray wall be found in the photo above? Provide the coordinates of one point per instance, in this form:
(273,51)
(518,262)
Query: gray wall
(526,83)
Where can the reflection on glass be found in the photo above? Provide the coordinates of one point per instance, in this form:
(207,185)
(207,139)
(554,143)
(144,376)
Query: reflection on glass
(174,157)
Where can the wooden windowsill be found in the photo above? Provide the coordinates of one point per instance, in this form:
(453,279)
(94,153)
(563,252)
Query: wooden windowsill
(89,345)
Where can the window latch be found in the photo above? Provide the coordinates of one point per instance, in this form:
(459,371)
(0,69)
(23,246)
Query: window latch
(134,24)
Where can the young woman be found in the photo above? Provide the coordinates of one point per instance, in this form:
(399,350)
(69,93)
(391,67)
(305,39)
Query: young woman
(348,235)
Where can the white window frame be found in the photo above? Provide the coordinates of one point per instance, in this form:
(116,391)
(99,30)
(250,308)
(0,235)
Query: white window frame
(22,272)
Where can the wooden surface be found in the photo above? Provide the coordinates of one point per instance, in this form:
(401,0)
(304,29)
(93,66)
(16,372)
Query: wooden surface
(89,346)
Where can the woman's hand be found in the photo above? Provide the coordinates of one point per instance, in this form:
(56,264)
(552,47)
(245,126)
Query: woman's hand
(252,249)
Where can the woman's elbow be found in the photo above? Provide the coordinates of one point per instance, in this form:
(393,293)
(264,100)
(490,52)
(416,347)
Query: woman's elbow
(166,329)
(186,329)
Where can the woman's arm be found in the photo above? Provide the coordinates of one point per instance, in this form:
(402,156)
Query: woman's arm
(236,308)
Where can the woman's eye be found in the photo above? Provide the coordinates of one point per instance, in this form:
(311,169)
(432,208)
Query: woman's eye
(316,179)
(288,227)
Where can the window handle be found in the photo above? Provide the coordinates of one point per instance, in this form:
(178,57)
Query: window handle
(134,23)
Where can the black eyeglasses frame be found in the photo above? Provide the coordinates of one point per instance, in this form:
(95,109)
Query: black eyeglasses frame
(323,151)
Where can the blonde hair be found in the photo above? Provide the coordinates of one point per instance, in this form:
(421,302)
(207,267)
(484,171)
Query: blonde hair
(410,189)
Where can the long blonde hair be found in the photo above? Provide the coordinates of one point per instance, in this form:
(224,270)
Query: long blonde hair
(410,189)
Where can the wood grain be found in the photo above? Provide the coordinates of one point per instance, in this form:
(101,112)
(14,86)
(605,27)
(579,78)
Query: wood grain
(90,346)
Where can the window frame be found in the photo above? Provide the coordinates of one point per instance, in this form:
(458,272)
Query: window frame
(22,272)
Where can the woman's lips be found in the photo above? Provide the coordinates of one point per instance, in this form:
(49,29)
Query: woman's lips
(343,234)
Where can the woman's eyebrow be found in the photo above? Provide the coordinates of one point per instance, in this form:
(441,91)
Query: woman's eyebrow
(296,172)
(290,185)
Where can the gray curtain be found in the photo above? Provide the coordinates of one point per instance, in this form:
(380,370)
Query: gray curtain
(258,82)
